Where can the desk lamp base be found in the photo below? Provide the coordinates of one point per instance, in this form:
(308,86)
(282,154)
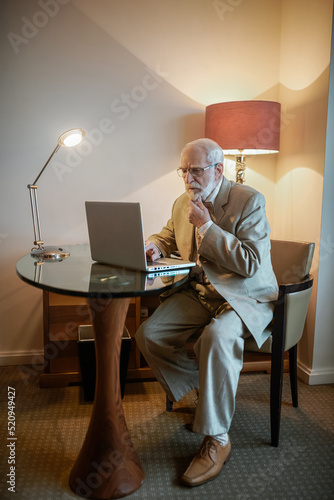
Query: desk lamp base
(49,253)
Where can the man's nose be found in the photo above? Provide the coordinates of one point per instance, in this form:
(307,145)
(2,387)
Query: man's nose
(187,178)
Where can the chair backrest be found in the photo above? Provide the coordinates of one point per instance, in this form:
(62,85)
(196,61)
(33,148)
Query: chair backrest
(291,260)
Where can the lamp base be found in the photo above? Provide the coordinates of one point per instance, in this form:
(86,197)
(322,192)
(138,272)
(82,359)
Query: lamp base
(49,253)
(240,167)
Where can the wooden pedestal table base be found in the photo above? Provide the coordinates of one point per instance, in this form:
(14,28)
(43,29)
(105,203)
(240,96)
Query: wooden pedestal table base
(107,465)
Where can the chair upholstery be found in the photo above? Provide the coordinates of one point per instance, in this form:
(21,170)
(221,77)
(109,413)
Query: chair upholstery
(291,263)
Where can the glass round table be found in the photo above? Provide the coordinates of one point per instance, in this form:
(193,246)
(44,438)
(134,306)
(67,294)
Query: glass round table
(107,465)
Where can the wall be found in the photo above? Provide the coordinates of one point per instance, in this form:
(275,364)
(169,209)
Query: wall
(323,354)
(137,76)
(304,72)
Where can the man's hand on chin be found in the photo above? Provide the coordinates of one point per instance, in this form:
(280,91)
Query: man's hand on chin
(198,213)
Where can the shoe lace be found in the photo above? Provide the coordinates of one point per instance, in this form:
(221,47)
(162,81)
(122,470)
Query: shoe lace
(208,445)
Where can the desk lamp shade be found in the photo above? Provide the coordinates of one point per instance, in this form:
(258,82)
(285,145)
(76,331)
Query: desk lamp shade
(69,138)
(244,128)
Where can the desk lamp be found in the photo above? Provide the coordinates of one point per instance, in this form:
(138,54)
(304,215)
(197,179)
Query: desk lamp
(68,139)
(244,128)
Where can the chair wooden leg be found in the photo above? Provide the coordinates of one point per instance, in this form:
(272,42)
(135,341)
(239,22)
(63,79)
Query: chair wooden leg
(169,404)
(277,364)
(275,404)
(293,375)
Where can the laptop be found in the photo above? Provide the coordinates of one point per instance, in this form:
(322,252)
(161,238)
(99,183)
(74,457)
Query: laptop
(116,237)
(116,279)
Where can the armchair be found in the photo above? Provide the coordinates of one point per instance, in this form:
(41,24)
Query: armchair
(291,263)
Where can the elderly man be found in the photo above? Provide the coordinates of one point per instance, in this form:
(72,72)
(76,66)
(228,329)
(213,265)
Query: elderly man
(222,226)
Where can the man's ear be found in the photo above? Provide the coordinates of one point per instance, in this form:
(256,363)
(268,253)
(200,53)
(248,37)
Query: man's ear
(219,170)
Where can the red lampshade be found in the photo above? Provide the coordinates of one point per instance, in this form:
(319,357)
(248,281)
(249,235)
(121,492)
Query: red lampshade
(252,127)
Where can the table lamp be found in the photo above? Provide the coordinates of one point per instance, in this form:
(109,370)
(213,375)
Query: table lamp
(244,128)
(68,139)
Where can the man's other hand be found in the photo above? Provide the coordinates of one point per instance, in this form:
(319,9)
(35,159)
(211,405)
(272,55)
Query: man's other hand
(152,251)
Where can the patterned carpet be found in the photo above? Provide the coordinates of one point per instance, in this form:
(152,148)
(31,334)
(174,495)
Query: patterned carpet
(51,424)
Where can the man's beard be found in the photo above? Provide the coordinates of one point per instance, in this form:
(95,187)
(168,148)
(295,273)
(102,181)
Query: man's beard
(202,193)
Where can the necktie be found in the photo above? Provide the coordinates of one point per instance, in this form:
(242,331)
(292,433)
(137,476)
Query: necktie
(199,237)
(201,276)
(209,206)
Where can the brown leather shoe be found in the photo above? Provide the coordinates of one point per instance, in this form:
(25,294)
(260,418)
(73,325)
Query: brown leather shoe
(208,462)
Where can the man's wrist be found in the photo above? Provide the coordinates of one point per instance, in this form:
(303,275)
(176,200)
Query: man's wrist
(157,249)
(203,229)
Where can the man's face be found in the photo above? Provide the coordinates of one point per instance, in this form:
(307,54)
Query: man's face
(200,186)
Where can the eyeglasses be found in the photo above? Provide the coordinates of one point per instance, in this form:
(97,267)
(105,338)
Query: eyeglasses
(195,172)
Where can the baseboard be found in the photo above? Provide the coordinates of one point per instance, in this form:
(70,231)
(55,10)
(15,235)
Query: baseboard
(21,358)
(315,377)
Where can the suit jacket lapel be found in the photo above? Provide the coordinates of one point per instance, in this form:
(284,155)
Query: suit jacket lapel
(189,239)
(221,200)
(186,231)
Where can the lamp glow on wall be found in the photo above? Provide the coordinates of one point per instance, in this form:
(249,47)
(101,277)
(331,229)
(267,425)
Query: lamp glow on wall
(244,128)
(68,139)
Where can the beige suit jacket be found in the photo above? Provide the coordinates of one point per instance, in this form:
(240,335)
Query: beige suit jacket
(234,252)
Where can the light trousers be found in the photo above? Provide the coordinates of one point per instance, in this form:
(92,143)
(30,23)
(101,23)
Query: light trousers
(220,335)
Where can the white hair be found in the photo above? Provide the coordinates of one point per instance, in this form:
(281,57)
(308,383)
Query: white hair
(213,151)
